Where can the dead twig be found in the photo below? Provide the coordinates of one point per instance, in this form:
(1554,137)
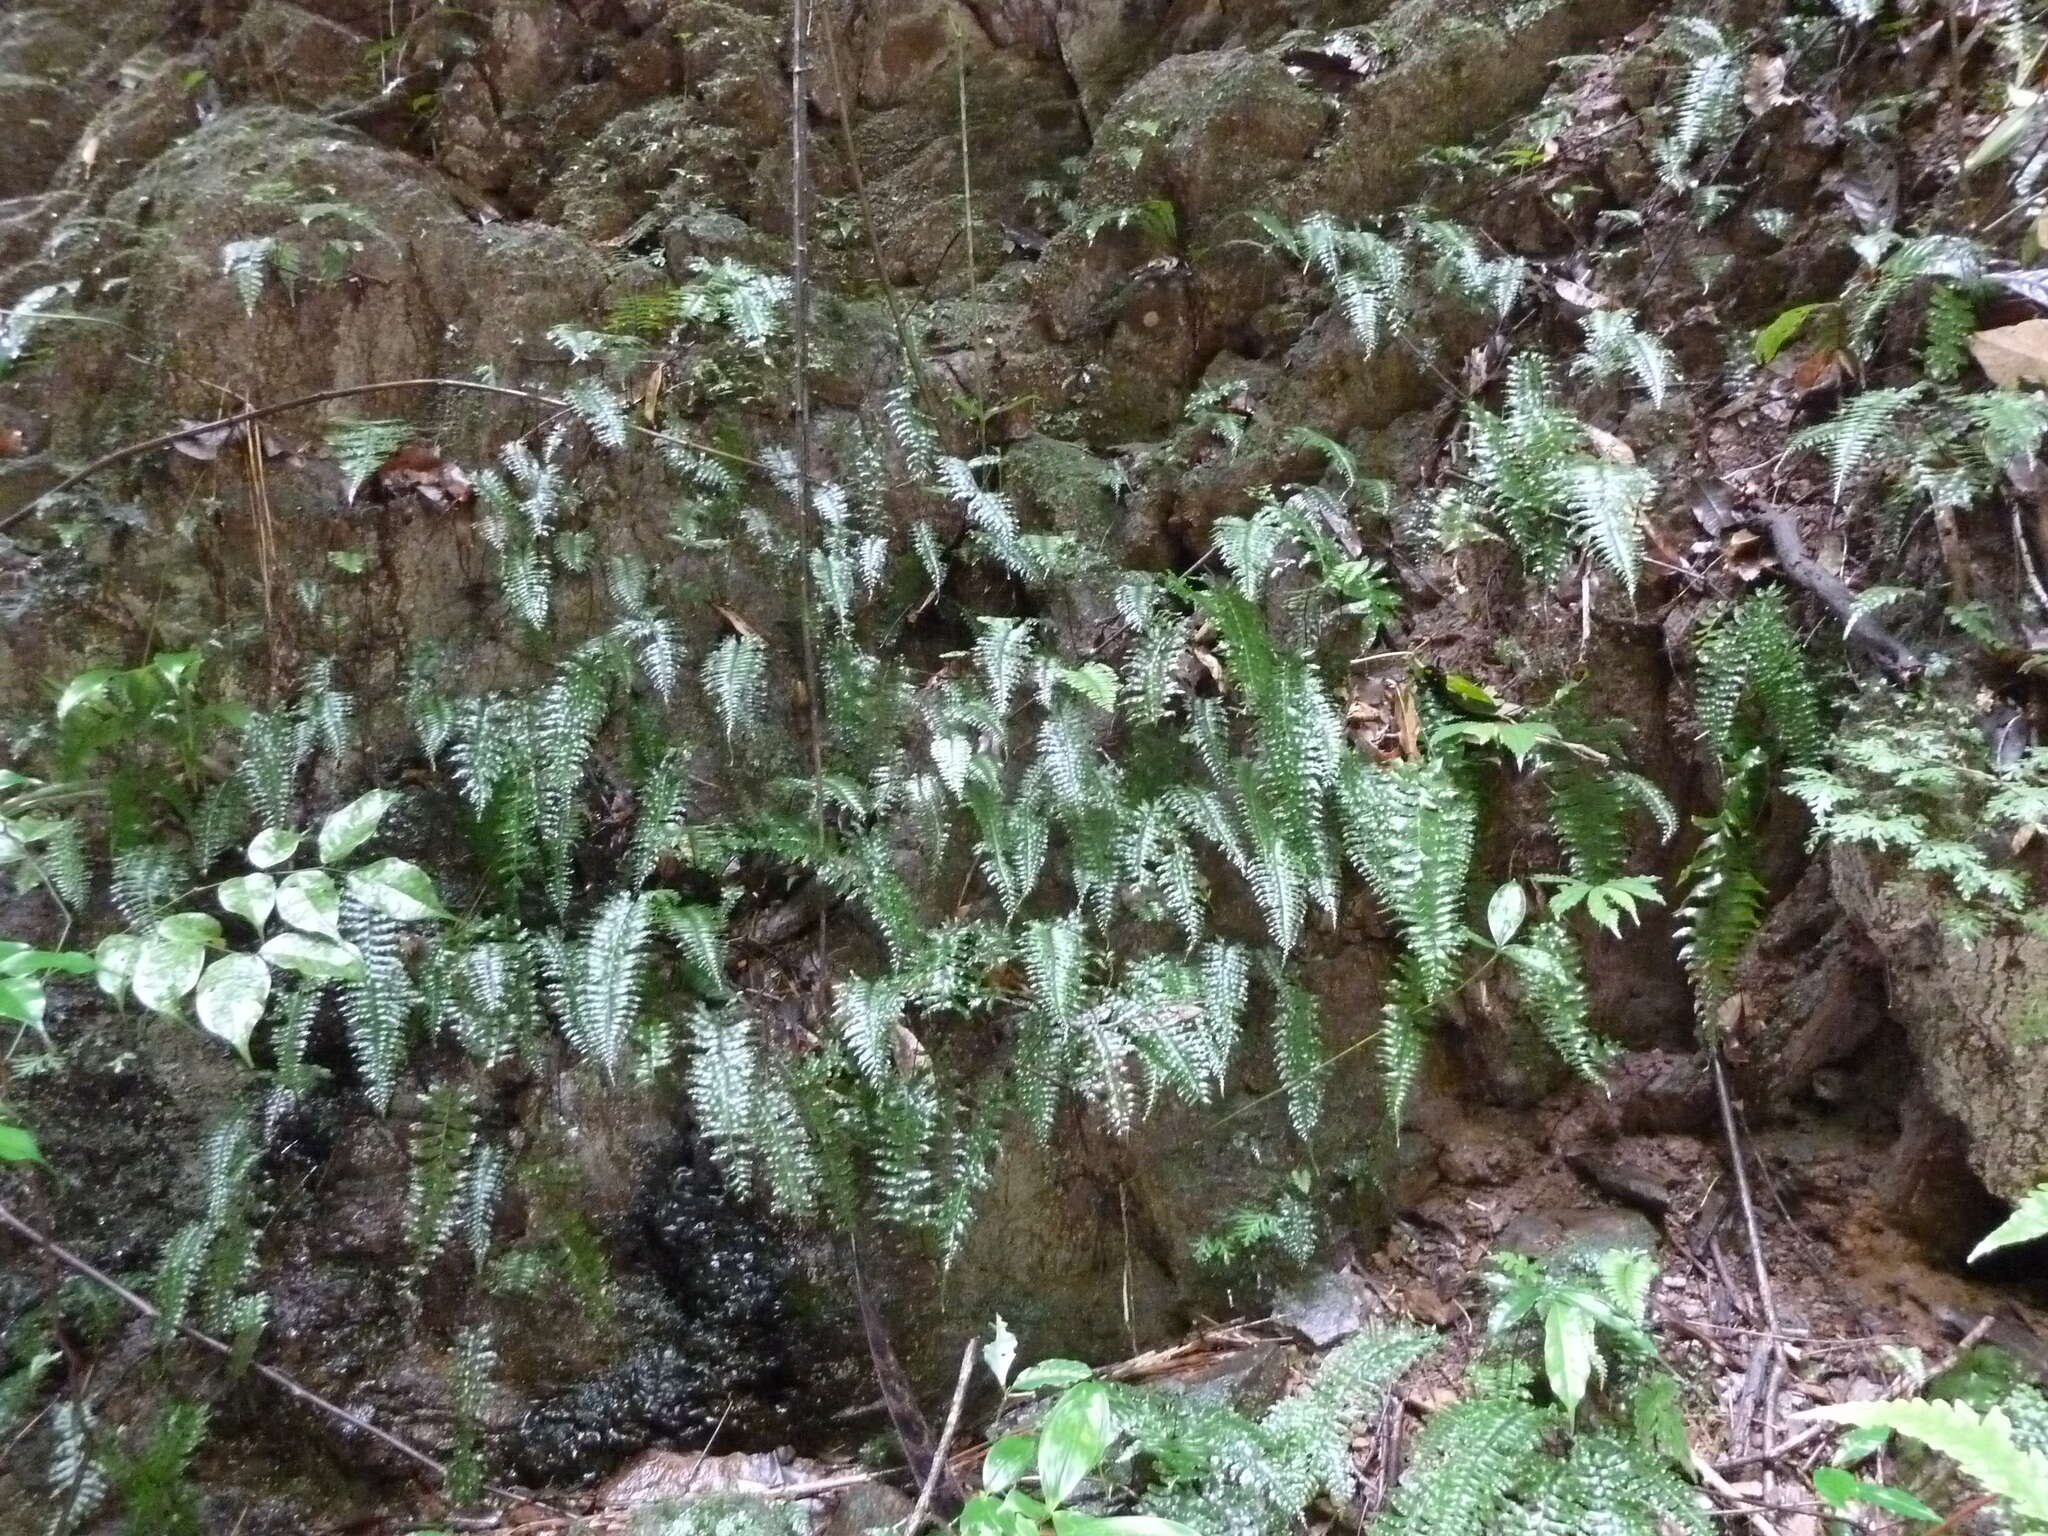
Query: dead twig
(1823,1428)
(71,1261)
(1862,631)
(343,392)
(924,1495)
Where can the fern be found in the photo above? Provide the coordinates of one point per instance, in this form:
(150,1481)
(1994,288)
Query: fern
(72,1477)
(440,1148)
(1487,283)
(1606,500)
(600,411)
(1753,689)
(1980,1443)
(469,1384)
(1546,964)
(378,1010)
(736,677)
(1409,830)
(1615,345)
(1703,113)
(1298,1052)
(594,983)
(1849,440)
(360,449)
(1723,902)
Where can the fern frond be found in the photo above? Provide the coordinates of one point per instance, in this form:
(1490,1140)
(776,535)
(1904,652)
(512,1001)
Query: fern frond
(1849,439)
(1615,344)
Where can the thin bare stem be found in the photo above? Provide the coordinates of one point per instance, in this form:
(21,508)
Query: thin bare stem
(938,1469)
(276,1378)
(343,392)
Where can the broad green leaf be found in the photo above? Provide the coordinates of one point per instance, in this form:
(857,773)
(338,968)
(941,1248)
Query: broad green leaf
(20,960)
(250,897)
(354,824)
(231,998)
(1771,340)
(397,889)
(1000,1352)
(190,928)
(1568,1352)
(21,1000)
(2028,1221)
(1841,1489)
(272,846)
(166,968)
(1068,1522)
(1050,1373)
(1982,1445)
(18,1146)
(172,666)
(984,1515)
(1007,1460)
(1072,1440)
(1505,913)
(309,901)
(116,960)
(309,954)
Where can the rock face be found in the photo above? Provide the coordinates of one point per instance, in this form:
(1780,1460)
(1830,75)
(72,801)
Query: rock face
(452,198)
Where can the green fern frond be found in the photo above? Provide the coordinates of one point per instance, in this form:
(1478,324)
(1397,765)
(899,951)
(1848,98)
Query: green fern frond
(1408,830)
(1616,345)
(1850,439)
(735,675)
(594,982)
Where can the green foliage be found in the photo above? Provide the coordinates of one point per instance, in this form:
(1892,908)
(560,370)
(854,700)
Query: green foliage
(1981,1443)
(1617,346)
(1592,1441)
(1754,690)
(1168,1465)
(1702,115)
(1911,779)
(153,1484)
(470,1365)
(1530,467)
(1852,439)
(2028,1221)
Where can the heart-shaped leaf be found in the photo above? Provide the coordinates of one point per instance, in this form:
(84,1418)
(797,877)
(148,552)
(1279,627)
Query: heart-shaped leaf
(116,959)
(311,954)
(354,824)
(272,846)
(1505,912)
(231,998)
(190,928)
(397,889)
(310,902)
(166,968)
(249,897)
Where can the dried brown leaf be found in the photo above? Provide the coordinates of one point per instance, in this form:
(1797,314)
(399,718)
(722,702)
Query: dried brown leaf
(2011,355)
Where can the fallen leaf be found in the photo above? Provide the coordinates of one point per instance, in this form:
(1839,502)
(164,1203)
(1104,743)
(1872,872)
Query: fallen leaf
(1873,198)
(11,442)
(203,446)
(1763,85)
(1580,295)
(2011,355)
(2030,284)
(1610,447)
(1747,555)
(738,623)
